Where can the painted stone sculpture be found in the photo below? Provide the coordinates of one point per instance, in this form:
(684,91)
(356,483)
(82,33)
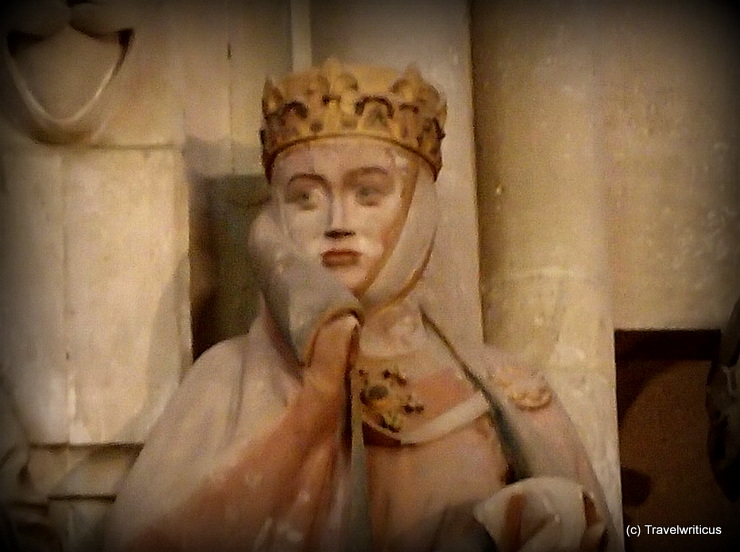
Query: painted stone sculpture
(348,419)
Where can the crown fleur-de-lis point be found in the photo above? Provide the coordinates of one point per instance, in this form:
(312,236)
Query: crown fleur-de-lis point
(342,84)
(348,101)
(414,75)
(409,85)
(272,99)
(312,96)
(332,68)
(441,115)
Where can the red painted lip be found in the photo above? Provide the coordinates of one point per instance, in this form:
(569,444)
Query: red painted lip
(340,257)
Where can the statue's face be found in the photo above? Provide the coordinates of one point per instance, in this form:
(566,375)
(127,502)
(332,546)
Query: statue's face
(344,201)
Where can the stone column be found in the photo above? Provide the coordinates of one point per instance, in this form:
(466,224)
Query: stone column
(94,311)
(544,265)
(433,34)
(670,84)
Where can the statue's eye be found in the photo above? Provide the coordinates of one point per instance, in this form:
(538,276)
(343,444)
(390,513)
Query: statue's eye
(304,194)
(369,195)
(372,186)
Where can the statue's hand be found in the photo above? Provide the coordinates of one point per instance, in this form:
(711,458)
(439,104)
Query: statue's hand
(334,348)
(542,514)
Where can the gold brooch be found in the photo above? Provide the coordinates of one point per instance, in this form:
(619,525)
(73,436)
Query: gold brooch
(386,400)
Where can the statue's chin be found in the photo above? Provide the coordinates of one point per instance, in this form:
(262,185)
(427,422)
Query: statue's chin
(353,277)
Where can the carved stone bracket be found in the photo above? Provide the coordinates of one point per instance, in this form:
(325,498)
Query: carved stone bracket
(64,65)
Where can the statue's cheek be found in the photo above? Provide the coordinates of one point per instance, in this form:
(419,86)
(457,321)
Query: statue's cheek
(306,226)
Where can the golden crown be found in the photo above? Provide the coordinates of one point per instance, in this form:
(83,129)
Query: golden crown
(336,100)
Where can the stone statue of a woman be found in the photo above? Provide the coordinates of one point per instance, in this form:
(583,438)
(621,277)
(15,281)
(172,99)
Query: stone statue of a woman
(347,419)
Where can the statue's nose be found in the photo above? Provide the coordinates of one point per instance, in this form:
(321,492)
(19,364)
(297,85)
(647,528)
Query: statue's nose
(338,227)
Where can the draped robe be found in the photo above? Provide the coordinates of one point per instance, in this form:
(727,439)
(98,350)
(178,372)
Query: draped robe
(248,456)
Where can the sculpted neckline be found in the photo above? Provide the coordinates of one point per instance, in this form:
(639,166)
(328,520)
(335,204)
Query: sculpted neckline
(394,330)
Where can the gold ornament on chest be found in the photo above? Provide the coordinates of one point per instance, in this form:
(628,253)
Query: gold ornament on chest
(414,399)
(386,396)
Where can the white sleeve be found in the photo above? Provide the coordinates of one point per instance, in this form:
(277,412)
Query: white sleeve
(542,514)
